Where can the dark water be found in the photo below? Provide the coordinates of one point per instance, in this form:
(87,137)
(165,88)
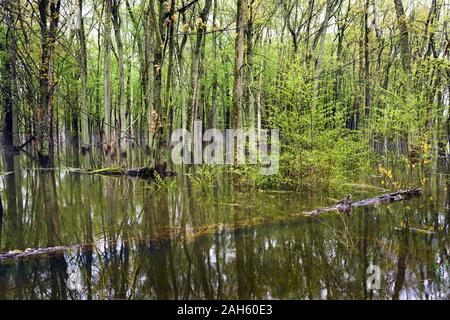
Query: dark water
(181,241)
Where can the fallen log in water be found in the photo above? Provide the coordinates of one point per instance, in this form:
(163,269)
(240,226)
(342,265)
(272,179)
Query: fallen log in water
(143,173)
(389,197)
(37,251)
(342,206)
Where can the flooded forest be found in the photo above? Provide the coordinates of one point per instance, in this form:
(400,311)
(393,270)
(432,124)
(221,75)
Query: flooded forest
(224,149)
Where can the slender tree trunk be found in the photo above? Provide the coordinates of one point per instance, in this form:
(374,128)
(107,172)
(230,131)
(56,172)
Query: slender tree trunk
(292,28)
(339,58)
(169,79)
(359,98)
(118,35)
(130,99)
(158,55)
(311,4)
(144,50)
(429,36)
(180,45)
(404,36)
(83,74)
(203,99)
(98,116)
(8,72)
(215,84)
(49,16)
(259,105)
(107,123)
(239,67)
(366,61)
(196,66)
(249,95)
(321,34)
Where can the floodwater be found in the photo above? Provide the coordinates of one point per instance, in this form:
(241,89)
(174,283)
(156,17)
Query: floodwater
(133,239)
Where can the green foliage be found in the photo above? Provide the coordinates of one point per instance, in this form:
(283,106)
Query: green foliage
(317,150)
(206,176)
(396,116)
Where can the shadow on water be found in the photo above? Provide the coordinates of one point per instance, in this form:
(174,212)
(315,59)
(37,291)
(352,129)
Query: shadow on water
(184,243)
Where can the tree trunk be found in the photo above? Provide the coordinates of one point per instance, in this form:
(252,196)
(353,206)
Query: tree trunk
(249,95)
(8,77)
(49,17)
(215,84)
(339,58)
(98,116)
(259,104)
(122,123)
(404,36)
(107,124)
(366,61)
(83,74)
(158,55)
(169,79)
(321,34)
(196,66)
(239,68)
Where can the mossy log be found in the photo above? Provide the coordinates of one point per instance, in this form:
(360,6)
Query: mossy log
(345,206)
(143,173)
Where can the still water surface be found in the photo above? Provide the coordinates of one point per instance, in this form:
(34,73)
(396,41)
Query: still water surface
(135,240)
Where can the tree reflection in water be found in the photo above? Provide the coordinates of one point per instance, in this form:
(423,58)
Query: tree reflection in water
(182,243)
